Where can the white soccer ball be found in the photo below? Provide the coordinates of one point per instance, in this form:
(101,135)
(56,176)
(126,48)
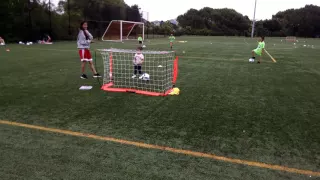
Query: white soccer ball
(145,77)
(251,60)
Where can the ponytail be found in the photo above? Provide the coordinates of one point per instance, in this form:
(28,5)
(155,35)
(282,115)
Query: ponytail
(84,31)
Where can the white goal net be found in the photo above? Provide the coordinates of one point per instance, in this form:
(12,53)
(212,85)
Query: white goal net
(157,77)
(119,30)
(291,39)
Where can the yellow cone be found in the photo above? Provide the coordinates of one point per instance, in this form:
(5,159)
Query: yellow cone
(175,91)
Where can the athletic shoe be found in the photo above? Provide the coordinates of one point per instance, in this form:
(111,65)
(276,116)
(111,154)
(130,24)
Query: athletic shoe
(97,75)
(258,62)
(83,76)
(140,77)
(134,76)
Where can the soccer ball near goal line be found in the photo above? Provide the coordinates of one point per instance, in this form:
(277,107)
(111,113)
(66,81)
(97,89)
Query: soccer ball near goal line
(157,77)
(145,77)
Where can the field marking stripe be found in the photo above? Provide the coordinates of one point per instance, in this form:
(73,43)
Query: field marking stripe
(169,149)
(270,56)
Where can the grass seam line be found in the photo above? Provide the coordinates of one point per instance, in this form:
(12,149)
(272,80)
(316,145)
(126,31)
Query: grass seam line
(168,149)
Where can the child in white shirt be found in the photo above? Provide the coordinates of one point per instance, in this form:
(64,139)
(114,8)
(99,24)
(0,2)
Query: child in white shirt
(137,62)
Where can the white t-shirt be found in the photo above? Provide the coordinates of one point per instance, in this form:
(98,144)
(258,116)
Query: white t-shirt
(138,59)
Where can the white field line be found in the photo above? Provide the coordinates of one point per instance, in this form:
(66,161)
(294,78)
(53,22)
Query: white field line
(182,56)
(245,41)
(215,59)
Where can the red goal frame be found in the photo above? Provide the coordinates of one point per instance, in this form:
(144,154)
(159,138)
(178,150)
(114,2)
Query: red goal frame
(108,87)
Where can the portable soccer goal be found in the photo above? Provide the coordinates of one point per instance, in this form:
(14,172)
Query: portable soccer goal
(119,30)
(291,39)
(160,66)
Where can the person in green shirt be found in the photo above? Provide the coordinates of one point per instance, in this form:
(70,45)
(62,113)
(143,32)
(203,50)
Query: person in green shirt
(140,40)
(259,50)
(171,39)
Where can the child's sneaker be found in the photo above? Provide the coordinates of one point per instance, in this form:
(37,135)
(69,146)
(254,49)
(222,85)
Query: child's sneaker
(134,76)
(97,75)
(83,76)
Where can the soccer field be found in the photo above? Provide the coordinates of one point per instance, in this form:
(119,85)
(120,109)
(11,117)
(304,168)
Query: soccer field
(264,114)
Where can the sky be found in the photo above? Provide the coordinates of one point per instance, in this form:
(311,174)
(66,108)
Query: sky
(171,9)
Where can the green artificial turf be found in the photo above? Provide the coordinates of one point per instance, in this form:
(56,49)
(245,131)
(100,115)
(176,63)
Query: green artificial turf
(266,112)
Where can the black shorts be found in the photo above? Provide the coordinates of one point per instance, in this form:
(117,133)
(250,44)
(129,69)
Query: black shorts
(140,42)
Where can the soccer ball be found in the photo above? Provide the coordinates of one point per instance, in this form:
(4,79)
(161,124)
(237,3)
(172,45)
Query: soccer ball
(145,77)
(251,60)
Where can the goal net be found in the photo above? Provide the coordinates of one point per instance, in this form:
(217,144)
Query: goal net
(118,30)
(158,74)
(291,39)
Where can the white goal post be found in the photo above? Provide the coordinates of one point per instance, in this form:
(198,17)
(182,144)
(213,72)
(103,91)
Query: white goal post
(119,30)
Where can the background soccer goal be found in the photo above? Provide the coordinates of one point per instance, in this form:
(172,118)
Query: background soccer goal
(162,66)
(291,39)
(123,30)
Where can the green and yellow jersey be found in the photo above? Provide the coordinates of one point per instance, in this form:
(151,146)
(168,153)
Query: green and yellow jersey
(260,47)
(171,39)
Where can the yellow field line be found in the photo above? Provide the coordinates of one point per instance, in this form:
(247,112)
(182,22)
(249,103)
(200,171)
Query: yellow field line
(169,149)
(270,56)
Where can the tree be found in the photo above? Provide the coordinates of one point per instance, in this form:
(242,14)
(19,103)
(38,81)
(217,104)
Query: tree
(300,22)
(208,21)
(16,24)
(133,13)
